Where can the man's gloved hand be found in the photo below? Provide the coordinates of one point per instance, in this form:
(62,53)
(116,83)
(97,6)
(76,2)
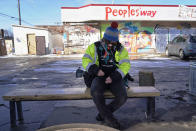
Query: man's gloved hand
(108,80)
(115,76)
(93,69)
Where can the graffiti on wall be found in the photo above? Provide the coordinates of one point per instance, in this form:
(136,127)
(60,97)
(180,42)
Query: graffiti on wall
(133,36)
(81,35)
(186,12)
(164,35)
(77,37)
(161,38)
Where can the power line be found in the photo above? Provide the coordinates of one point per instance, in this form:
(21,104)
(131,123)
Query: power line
(14,18)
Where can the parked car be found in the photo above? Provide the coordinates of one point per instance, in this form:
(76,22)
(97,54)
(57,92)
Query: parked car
(182,46)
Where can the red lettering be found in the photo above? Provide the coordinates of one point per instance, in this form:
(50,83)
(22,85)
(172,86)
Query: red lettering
(124,13)
(114,12)
(120,12)
(143,13)
(129,10)
(132,12)
(108,10)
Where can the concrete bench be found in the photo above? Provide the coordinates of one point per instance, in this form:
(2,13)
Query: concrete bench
(16,97)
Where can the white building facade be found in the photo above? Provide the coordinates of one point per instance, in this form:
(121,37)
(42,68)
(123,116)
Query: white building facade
(25,41)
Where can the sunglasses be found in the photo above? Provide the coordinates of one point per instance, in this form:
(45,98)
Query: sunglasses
(110,42)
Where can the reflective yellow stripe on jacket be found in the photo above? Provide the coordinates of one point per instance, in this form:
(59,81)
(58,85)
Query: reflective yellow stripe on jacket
(90,57)
(122,58)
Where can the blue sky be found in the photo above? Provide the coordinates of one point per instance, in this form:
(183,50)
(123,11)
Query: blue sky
(48,12)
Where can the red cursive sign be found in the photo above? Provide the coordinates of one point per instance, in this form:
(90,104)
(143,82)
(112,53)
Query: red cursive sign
(129,12)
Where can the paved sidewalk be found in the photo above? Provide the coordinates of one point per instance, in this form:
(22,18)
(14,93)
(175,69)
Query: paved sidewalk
(174,108)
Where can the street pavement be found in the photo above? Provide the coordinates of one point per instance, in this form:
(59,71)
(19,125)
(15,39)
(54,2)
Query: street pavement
(175,108)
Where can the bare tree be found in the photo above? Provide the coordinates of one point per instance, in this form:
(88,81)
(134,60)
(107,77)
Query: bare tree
(8,34)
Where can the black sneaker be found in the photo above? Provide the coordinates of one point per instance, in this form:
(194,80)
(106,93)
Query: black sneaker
(99,118)
(112,122)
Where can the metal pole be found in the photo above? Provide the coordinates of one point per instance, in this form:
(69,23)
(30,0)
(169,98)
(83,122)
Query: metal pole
(19,12)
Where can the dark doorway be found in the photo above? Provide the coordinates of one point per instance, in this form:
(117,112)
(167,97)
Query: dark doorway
(40,45)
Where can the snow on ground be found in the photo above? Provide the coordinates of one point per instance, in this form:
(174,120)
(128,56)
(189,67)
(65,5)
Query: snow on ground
(159,63)
(70,66)
(57,69)
(49,55)
(67,62)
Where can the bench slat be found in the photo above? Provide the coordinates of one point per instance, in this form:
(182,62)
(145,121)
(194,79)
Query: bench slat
(41,94)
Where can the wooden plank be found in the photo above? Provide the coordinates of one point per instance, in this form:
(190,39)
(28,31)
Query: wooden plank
(143,91)
(47,94)
(72,93)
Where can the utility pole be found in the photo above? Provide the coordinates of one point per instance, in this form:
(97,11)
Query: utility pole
(19,12)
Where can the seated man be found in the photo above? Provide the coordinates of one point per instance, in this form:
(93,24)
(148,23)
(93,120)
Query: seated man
(109,62)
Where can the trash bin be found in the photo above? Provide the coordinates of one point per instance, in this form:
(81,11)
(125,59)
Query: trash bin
(192,78)
(79,72)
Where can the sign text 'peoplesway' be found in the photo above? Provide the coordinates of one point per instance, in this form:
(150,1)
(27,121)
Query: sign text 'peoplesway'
(129,12)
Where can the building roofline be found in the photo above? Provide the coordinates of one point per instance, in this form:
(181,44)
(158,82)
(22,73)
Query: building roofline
(32,27)
(124,5)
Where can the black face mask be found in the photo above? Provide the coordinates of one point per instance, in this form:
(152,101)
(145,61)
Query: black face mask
(110,42)
(111,45)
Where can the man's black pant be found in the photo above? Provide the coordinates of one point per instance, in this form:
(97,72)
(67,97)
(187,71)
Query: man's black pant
(117,88)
